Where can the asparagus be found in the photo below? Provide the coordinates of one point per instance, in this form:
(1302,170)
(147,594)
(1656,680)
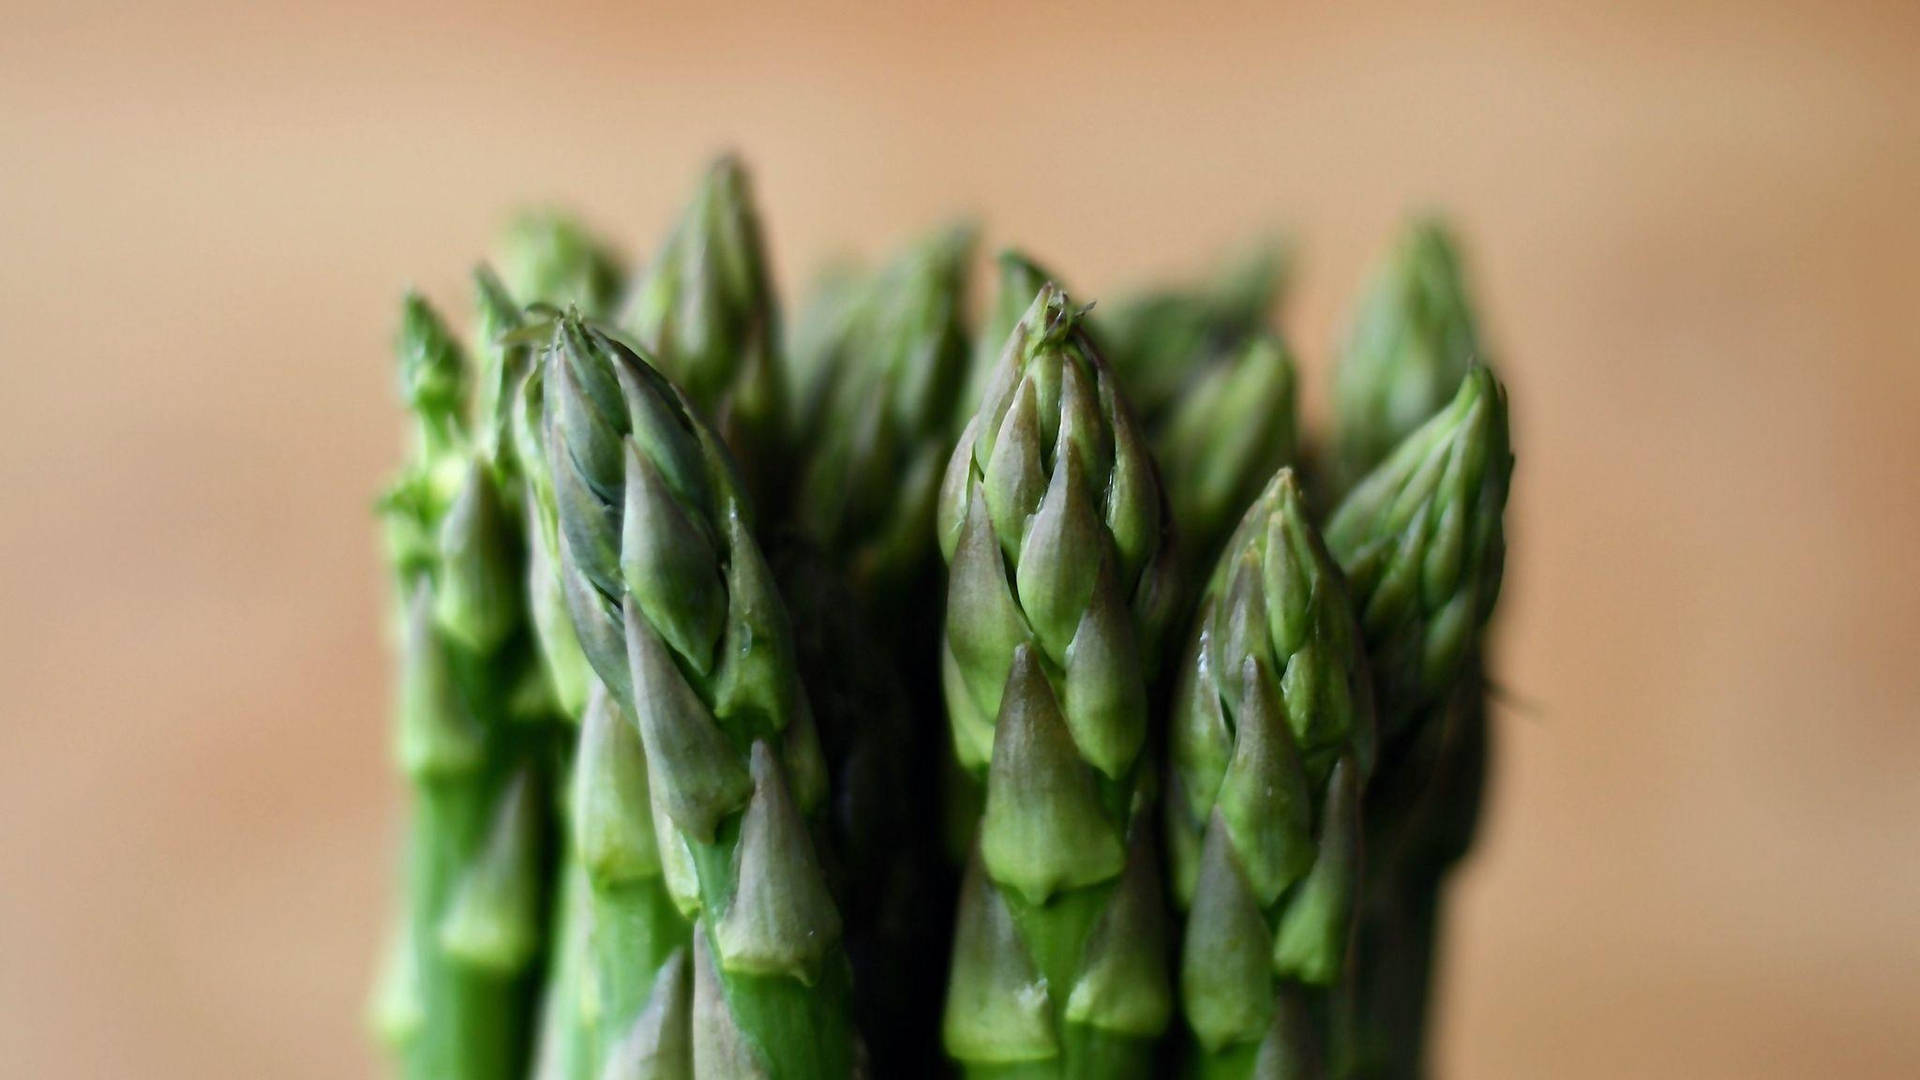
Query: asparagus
(619,1000)
(548,257)
(1411,342)
(818,344)
(878,435)
(641,995)
(459,997)
(1156,340)
(580,1026)
(1422,543)
(1270,746)
(1223,436)
(704,310)
(1017,281)
(676,611)
(1053,524)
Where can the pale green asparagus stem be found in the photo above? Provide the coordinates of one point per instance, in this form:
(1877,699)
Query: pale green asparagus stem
(632,988)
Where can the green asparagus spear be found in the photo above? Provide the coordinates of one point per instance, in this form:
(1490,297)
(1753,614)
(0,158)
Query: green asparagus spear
(704,310)
(1271,741)
(1018,280)
(1157,340)
(1225,433)
(1422,543)
(1411,342)
(874,447)
(567,1045)
(547,257)
(1053,524)
(677,612)
(459,1000)
(817,343)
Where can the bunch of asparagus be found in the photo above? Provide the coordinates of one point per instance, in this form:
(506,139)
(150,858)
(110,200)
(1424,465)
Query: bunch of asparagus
(913,694)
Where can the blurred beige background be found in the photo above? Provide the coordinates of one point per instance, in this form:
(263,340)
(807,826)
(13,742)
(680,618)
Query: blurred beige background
(1694,228)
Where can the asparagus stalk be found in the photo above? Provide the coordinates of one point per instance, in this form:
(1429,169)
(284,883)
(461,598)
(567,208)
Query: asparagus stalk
(704,310)
(626,995)
(1411,342)
(548,257)
(1222,437)
(564,1045)
(1271,742)
(553,257)
(875,444)
(1157,340)
(677,612)
(819,343)
(1422,543)
(1018,280)
(460,998)
(1053,524)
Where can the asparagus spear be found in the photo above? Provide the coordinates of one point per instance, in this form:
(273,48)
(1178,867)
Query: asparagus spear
(548,257)
(641,993)
(459,997)
(1422,543)
(1222,437)
(676,610)
(886,355)
(1053,524)
(1018,280)
(704,310)
(876,441)
(1411,342)
(580,1027)
(818,344)
(1270,745)
(619,1007)
(1156,340)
